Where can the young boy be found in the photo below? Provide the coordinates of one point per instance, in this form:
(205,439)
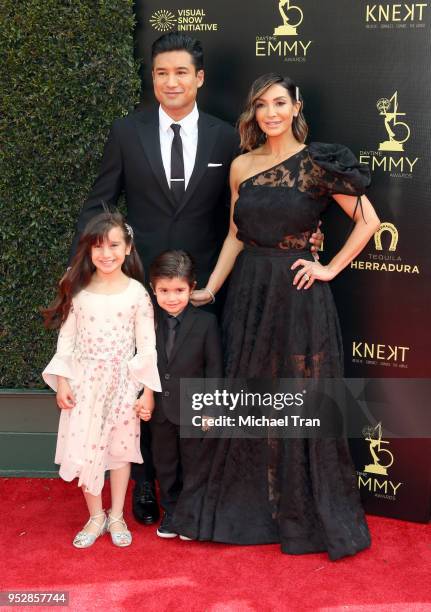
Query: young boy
(188,346)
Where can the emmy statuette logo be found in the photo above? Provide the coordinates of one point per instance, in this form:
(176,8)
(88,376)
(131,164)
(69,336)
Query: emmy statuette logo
(398,131)
(284,41)
(373,478)
(382,457)
(386,227)
(292,17)
(389,156)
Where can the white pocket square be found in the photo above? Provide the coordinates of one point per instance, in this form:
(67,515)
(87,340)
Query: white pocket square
(210,165)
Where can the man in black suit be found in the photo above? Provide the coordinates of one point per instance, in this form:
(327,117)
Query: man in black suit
(176,193)
(137,161)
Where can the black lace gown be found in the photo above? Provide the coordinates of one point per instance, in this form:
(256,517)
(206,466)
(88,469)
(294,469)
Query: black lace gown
(299,492)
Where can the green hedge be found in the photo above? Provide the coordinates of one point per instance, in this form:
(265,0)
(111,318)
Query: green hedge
(67,70)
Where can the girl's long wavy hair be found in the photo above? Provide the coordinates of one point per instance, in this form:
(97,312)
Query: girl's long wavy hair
(249,130)
(82,267)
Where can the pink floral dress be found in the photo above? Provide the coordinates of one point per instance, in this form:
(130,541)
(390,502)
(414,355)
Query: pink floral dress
(106,349)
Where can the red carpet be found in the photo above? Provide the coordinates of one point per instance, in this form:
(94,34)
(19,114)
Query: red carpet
(40,518)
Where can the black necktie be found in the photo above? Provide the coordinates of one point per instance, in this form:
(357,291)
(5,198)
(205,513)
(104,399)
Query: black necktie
(172,323)
(177,164)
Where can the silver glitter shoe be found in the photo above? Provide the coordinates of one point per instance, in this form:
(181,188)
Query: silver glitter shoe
(119,538)
(84,539)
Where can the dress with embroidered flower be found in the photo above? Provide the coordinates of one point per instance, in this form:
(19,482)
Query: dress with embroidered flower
(106,350)
(299,492)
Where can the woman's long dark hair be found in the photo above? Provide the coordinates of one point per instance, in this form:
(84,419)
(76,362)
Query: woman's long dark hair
(82,268)
(249,130)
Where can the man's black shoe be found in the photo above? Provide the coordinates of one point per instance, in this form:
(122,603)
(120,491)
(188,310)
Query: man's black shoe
(165,529)
(144,503)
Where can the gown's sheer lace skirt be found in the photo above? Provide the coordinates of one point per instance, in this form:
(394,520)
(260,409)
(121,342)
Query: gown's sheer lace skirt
(272,330)
(300,492)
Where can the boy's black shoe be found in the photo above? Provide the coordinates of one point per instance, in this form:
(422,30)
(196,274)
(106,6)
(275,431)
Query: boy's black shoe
(165,529)
(144,503)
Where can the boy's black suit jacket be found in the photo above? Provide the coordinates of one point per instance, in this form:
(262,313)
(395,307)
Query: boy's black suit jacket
(132,163)
(197,353)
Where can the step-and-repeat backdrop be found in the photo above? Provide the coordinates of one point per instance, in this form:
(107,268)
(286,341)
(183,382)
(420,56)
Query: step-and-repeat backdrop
(364,72)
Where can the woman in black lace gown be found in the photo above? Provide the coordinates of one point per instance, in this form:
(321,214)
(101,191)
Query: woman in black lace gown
(280,322)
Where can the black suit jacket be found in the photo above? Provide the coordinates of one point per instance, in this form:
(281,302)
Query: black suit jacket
(197,353)
(132,163)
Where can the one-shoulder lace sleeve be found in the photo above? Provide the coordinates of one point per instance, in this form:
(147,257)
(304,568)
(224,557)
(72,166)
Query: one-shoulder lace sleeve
(331,169)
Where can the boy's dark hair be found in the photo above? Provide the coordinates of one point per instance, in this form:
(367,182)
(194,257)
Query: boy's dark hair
(177,41)
(173,264)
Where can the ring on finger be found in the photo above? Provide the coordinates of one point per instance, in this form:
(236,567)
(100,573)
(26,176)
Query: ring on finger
(307,278)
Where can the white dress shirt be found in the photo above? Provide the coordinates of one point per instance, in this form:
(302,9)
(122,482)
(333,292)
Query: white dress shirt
(189,137)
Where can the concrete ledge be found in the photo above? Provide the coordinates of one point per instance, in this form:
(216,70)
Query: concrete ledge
(28,430)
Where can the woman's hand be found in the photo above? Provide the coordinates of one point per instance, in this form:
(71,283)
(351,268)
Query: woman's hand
(366,224)
(200,297)
(65,399)
(309,272)
(206,420)
(144,406)
(316,240)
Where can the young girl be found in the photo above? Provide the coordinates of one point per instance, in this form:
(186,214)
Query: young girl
(105,316)
(188,346)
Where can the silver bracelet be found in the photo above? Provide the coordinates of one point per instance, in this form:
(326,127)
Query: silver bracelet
(211,294)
